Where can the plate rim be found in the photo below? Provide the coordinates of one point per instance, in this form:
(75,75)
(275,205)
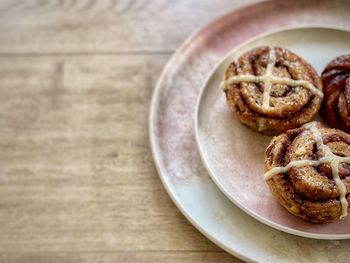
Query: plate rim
(152,137)
(205,162)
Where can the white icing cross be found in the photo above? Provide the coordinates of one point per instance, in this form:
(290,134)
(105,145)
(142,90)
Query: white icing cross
(329,158)
(268,79)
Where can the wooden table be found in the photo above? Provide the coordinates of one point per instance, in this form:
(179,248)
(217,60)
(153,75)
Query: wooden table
(77,179)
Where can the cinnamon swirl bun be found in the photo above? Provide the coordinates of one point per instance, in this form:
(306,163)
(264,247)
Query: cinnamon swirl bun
(272,90)
(308,171)
(335,109)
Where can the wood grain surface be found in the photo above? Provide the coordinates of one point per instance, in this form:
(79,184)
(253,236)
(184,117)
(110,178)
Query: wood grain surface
(77,180)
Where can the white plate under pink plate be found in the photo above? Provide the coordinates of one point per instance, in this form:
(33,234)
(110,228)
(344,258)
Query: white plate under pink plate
(173,139)
(234,154)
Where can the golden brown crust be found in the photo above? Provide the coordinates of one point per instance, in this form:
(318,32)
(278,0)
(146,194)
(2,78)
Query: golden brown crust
(289,107)
(336,105)
(308,192)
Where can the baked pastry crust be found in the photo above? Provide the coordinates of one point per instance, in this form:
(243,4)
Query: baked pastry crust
(308,171)
(272,90)
(335,109)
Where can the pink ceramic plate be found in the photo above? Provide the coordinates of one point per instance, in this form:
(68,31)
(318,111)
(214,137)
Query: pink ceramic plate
(173,140)
(234,154)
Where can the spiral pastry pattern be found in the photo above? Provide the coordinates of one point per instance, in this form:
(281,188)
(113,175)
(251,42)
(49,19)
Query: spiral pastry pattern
(308,171)
(335,109)
(272,90)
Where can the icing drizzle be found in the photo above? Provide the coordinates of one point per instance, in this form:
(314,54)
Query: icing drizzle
(329,158)
(268,79)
